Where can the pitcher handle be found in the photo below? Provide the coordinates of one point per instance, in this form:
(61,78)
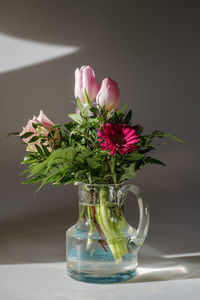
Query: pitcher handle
(143,225)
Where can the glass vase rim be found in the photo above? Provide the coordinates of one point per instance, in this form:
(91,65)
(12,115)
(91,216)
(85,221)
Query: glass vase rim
(100,184)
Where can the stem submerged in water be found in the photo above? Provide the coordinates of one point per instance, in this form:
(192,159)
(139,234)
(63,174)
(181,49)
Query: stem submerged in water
(89,241)
(111,226)
(107,218)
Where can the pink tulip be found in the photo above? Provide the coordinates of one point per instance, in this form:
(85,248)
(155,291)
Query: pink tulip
(85,79)
(109,94)
(40,130)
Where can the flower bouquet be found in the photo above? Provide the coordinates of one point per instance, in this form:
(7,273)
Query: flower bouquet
(100,148)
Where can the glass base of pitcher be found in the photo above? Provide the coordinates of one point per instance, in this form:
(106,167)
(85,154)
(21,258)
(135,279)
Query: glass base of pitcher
(94,278)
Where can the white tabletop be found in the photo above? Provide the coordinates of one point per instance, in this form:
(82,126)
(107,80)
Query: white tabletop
(48,281)
(32,267)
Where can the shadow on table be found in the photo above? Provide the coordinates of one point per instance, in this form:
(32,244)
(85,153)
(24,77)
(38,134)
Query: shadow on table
(35,239)
(164,267)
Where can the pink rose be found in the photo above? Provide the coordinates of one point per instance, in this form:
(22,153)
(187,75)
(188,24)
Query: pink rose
(40,130)
(109,94)
(85,79)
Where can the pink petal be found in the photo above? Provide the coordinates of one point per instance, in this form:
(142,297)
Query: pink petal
(42,118)
(90,83)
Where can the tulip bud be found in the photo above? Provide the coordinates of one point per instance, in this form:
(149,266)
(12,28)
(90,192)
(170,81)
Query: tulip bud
(85,80)
(109,94)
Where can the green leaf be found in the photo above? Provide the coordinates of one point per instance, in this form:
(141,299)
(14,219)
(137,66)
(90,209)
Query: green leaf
(35,125)
(94,110)
(151,160)
(93,121)
(26,135)
(135,155)
(28,160)
(87,98)
(78,101)
(147,150)
(128,117)
(145,140)
(86,111)
(161,134)
(13,133)
(174,138)
(55,126)
(112,169)
(124,108)
(80,175)
(76,118)
(39,149)
(32,180)
(34,138)
(69,125)
(56,133)
(38,124)
(128,172)
(46,151)
(49,136)
(93,163)
(43,140)
(41,185)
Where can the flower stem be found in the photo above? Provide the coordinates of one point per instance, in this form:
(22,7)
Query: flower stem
(93,223)
(111,228)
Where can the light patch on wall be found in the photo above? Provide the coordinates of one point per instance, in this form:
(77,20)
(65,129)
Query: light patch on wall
(17,53)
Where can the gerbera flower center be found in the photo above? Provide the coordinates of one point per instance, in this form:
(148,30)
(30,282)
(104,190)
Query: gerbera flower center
(117,139)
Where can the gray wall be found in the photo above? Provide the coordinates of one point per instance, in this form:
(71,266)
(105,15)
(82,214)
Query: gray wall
(152,49)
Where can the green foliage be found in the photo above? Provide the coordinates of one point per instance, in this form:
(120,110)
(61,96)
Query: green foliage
(151,160)
(13,133)
(26,135)
(147,139)
(76,118)
(128,117)
(129,172)
(71,152)
(174,138)
(87,98)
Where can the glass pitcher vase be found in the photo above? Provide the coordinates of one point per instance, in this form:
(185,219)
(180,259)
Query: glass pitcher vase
(102,247)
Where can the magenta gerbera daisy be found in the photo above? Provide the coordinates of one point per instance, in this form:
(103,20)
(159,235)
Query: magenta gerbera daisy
(118,137)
